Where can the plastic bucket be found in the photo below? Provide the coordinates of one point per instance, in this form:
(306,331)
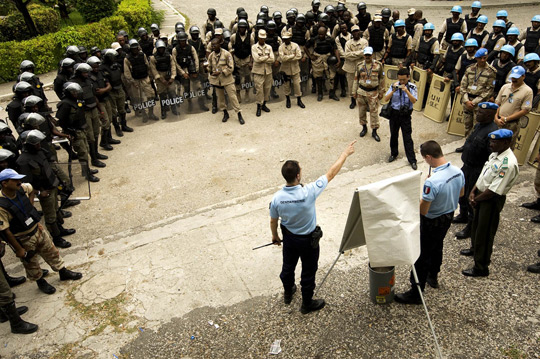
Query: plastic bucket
(381,284)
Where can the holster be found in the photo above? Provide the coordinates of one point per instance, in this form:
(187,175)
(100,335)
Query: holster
(316,236)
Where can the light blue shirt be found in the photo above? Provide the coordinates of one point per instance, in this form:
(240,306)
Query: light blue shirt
(400,97)
(296,206)
(442,190)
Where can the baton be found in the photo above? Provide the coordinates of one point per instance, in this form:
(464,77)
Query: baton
(265,245)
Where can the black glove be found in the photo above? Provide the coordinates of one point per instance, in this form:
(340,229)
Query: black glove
(29,255)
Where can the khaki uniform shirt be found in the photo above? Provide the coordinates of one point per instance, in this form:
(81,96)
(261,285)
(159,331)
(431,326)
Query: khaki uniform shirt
(511,101)
(484,40)
(263,58)
(289,56)
(354,53)
(478,82)
(408,44)
(6,217)
(499,173)
(369,76)
(340,48)
(222,61)
(157,74)
(463,29)
(418,32)
(498,45)
(458,64)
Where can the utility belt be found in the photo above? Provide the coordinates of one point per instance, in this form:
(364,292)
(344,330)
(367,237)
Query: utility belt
(27,235)
(314,236)
(117,88)
(368,89)
(472,97)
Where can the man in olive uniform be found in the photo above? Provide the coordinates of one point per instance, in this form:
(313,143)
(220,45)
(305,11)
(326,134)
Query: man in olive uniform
(263,59)
(112,70)
(515,101)
(476,86)
(19,222)
(323,48)
(240,47)
(187,65)
(487,198)
(353,54)
(209,23)
(377,36)
(163,67)
(145,42)
(91,113)
(289,57)
(368,89)
(33,163)
(476,152)
(65,71)
(71,119)
(300,35)
(220,68)
(136,72)
(200,47)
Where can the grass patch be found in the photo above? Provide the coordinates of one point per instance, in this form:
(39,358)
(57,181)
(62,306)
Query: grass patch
(513,353)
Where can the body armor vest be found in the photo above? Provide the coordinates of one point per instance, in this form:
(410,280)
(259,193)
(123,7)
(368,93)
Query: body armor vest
(452,28)
(299,35)
(242,48)
(502,72)
(163,62)
(139,68)
(18,223)
(490,43)
(424,50)
(183,55)
(531,79)
(531,41)
(452,58)
(363,21)
(399,46)
(376,38)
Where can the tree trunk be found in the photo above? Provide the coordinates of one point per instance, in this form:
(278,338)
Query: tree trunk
(21,6)
(62,7)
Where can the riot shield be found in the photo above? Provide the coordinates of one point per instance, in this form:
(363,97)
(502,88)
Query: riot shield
(455,124)
(419,78)
(528,127)
(390,77)
(438,97)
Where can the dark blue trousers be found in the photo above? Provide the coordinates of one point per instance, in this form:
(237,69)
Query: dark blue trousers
(299,247)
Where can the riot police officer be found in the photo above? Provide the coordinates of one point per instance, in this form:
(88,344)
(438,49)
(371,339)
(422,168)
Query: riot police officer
(273,39)
(71,118)
(145,42)
(363,18)
(532,77)
(163,67)
(15,107)
(479,33)
(377,36)
(240,48)
(472,18)
(187,65)
(452,25)
(65,72)
(323,49)
(399,46)
(495,40)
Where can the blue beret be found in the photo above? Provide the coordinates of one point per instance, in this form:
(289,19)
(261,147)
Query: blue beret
(488,105)
(500,134)
(480,53)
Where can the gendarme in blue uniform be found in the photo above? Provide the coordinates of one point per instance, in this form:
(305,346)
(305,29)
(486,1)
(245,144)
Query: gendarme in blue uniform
(296,206)
(441,188)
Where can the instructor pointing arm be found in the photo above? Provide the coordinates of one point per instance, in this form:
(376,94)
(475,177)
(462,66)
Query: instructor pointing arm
(295,204)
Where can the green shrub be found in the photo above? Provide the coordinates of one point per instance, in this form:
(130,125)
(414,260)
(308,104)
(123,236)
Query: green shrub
(138,13)
(94,10)
(47,50)
(13,27)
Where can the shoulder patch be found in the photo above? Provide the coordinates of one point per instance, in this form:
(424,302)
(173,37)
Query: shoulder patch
(319,184)
(501,174)
(427,189)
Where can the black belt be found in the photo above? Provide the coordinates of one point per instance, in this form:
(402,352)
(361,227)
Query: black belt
(472,97)
(28,235)
(368,89)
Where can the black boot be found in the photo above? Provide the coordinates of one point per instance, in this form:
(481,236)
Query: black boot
(12,281)
(264,108)
(333,96)
(151,114)
(45,287)
(144,116)
(240,118)
(353,103)
(314,82)
(214,102)
(66,274)
(288,295)
(163,113)
(99,156)
(364,131)
(60,242)
(20,310)
(375,135)
(18,326)
(343,83)
(117,128)
(104,143)
(66,231)
(288,101)
(123,122)
(465,232)
(112,141)
(202,105)
(225,116)
(299,102)
(461,218)
(319,89)
(86,173)
(311,305)
(258,110)
(532,205)
(94,160)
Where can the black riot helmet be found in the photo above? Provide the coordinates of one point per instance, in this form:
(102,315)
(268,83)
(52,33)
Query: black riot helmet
(310,16)
(218,25)
(260,24)
(72,51)
(31,101)
(242,15)
(324,17)
(290,14)
(82,50)
(66,63)
(181,36)
(264,9)
(301,18)
(6,155)
(22,87)
(179,26)
(82,68)
(243,23)
(361,6)
(26,76)
(34,137)
(211,11)
(329,9)
(194,30)
(277,15)
(110,55)
(73,90)
(27,65)
(386,12)
(133,44)
(238,10)
(271,25)
(31,120)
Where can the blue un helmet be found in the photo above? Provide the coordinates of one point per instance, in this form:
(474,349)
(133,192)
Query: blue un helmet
(499,23)
(482,19)
(471,42)
(458,36)
(536,18)
(457,9)
(502,13)
(531,57)
(476,4)
(513,31)
(510,49)
(429,26)
(399,23)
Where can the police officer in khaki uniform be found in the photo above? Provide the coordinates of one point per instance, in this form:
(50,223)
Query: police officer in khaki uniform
(136,72)
(290,56)
(488,196)
(368,89)
(377,36)
(263,59)
(476,86)
(353,54)
(515,101)
(240,47)
(19,222)
(220,69)
(163,67)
